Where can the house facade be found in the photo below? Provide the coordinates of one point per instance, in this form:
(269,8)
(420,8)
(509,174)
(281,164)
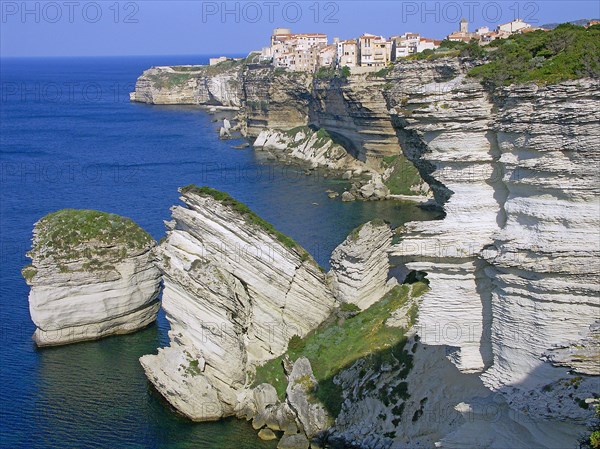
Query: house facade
(296,51)
(374,51)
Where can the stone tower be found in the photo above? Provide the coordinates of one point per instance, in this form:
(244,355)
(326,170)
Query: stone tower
(464,25)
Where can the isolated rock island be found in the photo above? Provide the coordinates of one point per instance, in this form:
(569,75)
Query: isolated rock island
(92,275)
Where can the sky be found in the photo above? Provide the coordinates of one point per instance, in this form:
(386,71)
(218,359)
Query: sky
(194,27)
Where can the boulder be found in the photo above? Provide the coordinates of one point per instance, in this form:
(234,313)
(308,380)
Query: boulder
(297,441)
(360,266)
(310,414)
(347,196)
(266,435)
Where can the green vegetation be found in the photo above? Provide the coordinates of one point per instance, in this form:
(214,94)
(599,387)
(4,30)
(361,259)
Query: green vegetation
(565,53)
(193,366)
(224,66)
(170,80)
(249,216)
(382,73)
(403,177)
(28,272)
(189,68)
(356,231)
(337,344)
(593,440)
(329,73)
(350,308)
(107,236)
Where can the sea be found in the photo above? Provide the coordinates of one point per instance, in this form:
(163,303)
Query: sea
(70,138)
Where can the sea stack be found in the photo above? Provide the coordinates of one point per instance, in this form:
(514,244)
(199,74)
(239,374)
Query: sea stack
(92,275)
(236,291)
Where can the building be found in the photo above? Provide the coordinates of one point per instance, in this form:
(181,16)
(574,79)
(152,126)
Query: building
(512,27)
(463,35)
(327,56)
(347,54)
(296,51)
(215,61)
(411,43)
(266,54)
(374,51)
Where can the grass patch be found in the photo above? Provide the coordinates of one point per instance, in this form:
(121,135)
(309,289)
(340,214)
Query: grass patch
(329,73)
(28,272)
(170,80)
(350,308)
(403,177)
(381,73)
(335,345)
(250,217)
(568,52)
(108,237)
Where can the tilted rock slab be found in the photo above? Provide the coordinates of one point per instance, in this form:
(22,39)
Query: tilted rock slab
(84,286)
(306,145)
(360,266)
(234,295)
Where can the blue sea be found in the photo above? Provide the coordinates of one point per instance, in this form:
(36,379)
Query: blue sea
(70,138)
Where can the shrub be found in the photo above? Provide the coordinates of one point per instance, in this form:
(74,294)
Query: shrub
(567,52)
(296,343)
(348,307)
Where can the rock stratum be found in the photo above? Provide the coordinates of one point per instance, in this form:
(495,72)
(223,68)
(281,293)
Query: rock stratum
(235,292)
(511,315)
(92,275)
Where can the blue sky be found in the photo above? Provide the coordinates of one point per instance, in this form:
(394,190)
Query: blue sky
(150,27)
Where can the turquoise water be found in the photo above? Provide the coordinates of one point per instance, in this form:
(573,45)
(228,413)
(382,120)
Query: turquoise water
(69,137)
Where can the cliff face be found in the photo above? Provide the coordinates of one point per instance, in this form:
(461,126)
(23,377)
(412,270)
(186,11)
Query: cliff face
(354,110)
(544,261)
(92,275)
(512,268)
(511,265)
(202,85)
(275,99)
(235,292)
(444,123)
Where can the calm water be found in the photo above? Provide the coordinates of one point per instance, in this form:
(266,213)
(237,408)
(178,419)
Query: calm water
(70,138)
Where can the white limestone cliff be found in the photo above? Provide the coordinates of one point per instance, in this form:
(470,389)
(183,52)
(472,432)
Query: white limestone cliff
(92,275)
(444,124)
(305,145)
(360,268)
(512,267)
(235,292)
(195,85)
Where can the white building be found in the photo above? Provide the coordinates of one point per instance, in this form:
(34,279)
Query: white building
(375,51)
(296,51)
(411,43)
(513,27)
(347,53)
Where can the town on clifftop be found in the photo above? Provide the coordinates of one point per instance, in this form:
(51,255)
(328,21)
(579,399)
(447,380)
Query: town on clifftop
(309,52)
